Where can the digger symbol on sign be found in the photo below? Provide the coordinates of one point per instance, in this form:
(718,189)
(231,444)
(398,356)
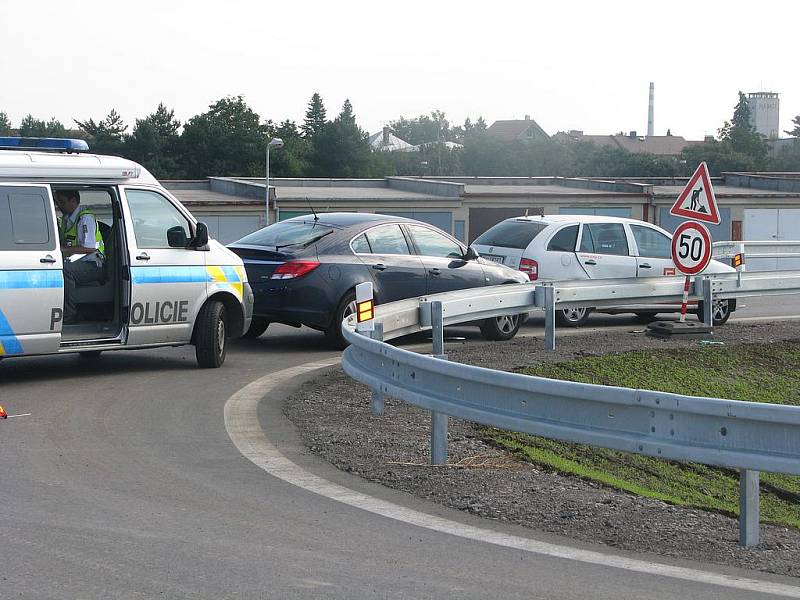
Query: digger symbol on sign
(696,205)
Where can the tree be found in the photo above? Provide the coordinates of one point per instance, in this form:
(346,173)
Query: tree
(154,143)
(741,137)
(32,127)
(720,157)
(106,136)
(423,129)
(340,149)
(315,117)
(292,159)
(226,140)
(796,131)
(5,124)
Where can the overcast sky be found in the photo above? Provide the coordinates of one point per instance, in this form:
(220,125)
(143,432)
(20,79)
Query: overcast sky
(570,65)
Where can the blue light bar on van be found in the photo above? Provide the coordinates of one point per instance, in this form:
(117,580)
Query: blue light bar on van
(49,144)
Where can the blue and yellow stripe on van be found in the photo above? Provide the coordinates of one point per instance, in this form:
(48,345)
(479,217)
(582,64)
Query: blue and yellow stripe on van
(23,280)
(221,276)
(9,344)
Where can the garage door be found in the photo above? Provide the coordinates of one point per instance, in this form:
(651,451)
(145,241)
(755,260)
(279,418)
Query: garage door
(772,224)
(229,228)
(442,220)
(719,233)
(624,212)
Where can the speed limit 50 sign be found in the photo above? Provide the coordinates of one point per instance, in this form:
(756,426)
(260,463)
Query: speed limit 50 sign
(691,248)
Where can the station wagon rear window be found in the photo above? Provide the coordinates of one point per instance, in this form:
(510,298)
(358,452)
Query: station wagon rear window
(511,234)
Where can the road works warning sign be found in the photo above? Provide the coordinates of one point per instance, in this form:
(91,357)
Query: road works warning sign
(697,200)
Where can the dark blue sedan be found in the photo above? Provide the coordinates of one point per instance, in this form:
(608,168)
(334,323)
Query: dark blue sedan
(304,270)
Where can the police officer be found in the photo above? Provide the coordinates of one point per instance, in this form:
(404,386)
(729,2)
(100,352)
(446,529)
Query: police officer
(79,234)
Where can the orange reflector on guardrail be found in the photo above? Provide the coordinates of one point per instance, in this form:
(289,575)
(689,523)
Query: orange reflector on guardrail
(738,260)
(366,310)
(365,307)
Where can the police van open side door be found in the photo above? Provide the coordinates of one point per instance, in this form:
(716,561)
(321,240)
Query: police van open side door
(168,280)
(31,271)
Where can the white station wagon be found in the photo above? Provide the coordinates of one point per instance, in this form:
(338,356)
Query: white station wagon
(568,247)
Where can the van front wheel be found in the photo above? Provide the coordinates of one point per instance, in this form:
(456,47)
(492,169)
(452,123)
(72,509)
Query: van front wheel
(211,335)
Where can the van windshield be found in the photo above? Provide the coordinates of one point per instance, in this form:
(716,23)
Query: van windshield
(286,234)
(511,234)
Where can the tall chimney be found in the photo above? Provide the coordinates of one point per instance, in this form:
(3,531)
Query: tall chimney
(650,111)
(385,136)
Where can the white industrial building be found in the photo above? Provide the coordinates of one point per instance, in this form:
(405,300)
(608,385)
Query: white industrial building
(764,113)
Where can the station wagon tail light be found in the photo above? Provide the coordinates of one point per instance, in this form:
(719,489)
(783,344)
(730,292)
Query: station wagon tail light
(293,269)
(530,267)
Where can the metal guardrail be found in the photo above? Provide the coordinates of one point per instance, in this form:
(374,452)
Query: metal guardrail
(748,436)
(757,249)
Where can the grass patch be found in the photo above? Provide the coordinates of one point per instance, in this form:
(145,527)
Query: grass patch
(752,372)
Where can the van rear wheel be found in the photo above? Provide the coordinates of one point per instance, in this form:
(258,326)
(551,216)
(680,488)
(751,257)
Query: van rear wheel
(211,335)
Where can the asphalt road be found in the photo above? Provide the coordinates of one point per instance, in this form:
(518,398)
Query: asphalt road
(124,483)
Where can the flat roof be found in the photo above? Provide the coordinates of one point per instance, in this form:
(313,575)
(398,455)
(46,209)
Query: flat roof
(199,197)
(725,191)
(537,190)
(352,193)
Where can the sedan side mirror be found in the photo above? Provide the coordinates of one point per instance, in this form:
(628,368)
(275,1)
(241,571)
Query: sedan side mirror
(471,253)
(200,238)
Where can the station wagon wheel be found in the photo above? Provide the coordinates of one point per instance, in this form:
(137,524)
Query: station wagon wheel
(211,335)
(501,328)
(572,317)
(720,311)
(346,307)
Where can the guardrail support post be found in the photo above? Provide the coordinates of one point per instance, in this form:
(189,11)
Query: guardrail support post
(438,420)
(377,395)
(708,302)
(749,512)
(550,318)
(437,329)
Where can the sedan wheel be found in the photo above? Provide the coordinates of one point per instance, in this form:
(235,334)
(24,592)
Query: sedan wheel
(501,328)
(347,307)
(572,317)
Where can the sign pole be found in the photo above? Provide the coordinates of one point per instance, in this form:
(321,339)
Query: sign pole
(685,301)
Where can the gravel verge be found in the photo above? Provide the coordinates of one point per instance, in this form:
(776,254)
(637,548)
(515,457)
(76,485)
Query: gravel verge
(333,416)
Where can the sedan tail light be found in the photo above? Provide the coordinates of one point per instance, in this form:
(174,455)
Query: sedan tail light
(293,269)
(530,267)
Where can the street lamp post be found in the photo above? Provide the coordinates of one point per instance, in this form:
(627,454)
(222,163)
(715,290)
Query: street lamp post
(276,143)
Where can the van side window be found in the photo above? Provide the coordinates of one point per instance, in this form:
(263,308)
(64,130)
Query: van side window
(564,240)
(26,215)
(152,216)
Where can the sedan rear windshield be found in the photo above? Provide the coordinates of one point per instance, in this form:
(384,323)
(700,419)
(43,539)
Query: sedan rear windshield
(511,234)
(287,234)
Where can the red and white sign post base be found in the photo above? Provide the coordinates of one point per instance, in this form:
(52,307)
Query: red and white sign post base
(685,302)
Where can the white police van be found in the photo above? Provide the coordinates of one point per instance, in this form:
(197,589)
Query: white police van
(162,281)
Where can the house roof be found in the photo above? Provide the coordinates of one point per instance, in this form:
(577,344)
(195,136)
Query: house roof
(515,129)
(661,145)
(375,142)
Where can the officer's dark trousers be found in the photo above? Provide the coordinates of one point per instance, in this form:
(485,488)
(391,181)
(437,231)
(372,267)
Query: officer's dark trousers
(76,273)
